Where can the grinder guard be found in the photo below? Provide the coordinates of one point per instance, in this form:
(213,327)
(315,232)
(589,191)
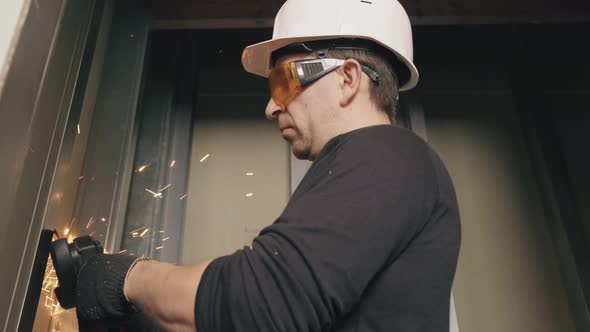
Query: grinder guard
(67,259)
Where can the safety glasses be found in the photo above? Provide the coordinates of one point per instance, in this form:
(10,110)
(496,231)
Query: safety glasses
(288,80)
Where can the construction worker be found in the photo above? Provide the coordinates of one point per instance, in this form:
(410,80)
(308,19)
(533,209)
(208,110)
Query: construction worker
(369,240)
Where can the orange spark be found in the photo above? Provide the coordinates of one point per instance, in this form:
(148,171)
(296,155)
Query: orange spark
(166,187)
(144,231)
(90,222)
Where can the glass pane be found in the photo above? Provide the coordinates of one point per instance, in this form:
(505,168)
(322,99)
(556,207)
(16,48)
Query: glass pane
(239,174)
(239,181)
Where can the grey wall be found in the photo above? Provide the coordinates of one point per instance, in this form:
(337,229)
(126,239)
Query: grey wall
(508,277)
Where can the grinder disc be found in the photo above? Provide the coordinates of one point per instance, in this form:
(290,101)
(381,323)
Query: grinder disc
(65,270)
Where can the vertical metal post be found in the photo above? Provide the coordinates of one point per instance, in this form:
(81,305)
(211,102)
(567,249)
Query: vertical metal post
(109,155)
(543,144)
(417,124)
(58,41)
(164,136)
(298,170)
(25,148)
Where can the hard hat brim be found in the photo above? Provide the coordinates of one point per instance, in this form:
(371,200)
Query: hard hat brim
(256,57)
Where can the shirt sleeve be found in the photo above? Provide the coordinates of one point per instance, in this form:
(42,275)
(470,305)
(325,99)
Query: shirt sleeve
(354,214)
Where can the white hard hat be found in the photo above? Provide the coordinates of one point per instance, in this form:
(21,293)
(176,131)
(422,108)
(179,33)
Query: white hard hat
(384,22)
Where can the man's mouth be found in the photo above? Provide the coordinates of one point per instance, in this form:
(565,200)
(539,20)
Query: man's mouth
(288,133)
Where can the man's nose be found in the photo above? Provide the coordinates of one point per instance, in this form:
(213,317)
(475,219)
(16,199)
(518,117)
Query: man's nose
(273,109)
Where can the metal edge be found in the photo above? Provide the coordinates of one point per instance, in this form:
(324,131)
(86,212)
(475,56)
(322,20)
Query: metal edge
(417,123)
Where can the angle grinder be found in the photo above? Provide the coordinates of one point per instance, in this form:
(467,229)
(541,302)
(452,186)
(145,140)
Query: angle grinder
(67,259)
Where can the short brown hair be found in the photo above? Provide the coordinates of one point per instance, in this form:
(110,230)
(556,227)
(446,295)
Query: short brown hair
(385,92)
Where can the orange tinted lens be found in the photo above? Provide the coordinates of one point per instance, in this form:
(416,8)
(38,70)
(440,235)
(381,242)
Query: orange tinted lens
(284,83)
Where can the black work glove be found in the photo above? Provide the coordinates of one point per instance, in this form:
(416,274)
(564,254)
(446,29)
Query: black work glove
(99,291)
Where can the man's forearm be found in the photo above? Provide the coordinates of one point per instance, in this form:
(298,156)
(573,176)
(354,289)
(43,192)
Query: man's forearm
(166,293)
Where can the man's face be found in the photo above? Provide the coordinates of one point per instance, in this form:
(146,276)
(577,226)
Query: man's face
(301,121)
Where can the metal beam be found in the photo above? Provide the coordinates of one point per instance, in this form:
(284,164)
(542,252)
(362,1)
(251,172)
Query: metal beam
(417,124)
(41,87)
(174,14)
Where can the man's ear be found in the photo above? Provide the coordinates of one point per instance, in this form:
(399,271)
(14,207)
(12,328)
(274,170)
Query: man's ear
(352,74)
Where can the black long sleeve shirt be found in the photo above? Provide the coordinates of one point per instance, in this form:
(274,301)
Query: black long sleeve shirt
(368,242)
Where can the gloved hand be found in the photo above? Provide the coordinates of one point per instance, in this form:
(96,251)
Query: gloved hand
(99,290)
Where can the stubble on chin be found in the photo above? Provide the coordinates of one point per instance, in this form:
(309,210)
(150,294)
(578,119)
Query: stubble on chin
(302,154)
